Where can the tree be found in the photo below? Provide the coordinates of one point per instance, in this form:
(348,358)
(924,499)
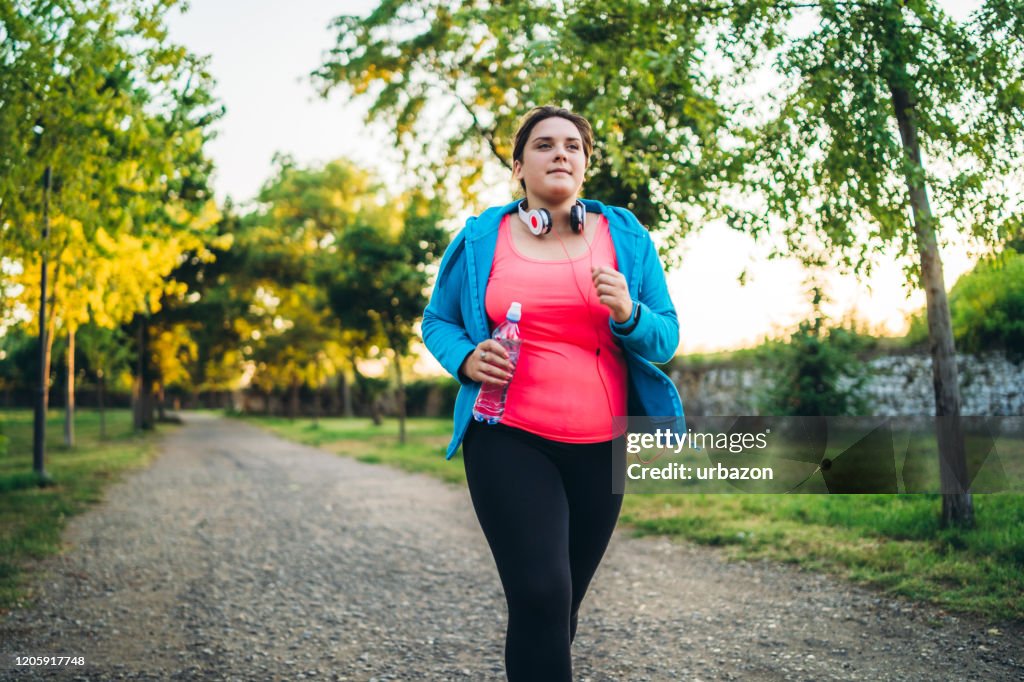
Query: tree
(453,79)
(291,337)
(292,352)
(378,287)
(830,164)
(118,115)
(837,152)
(107,355)
(214,307)
(56,106)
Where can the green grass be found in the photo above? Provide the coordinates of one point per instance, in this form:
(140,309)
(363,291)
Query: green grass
(32,517)
(423,451)
(892,542)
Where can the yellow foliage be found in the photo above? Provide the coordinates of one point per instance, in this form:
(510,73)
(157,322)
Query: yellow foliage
(223,242)
(173,350)
(110,275)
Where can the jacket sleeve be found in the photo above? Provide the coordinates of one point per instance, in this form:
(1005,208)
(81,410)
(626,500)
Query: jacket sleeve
(656,336)
(444,332)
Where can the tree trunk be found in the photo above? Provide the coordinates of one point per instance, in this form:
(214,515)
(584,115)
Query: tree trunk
(137,379)
(69,411)
(316,407)
(293,402)
(346,396)
(957,503)
(43,406)
(39,421)
(136,403)
(333,400)
(375,411)
(368,396)
(401,399)
(146,394)
(160,406)
(142,386)
(103,414)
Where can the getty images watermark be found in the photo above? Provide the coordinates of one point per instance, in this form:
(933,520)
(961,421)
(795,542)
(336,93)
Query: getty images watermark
(819,455)
(664,440)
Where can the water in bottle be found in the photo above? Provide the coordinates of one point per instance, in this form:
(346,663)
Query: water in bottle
(490,403)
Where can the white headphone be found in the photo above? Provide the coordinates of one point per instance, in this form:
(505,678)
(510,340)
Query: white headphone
(539,221)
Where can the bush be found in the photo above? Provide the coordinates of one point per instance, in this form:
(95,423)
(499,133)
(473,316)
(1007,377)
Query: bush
(816,372)
(418,394)
(987,308)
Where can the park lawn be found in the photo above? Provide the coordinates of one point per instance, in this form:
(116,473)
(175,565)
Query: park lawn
(892,542)
(32,518)
(359,438)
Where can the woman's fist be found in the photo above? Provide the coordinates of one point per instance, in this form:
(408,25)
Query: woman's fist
(613,292)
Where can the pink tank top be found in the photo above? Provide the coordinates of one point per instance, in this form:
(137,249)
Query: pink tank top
(571,378)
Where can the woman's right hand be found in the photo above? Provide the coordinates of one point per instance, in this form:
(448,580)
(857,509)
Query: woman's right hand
(489,364)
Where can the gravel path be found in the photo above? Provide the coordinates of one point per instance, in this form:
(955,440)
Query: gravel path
(240,556)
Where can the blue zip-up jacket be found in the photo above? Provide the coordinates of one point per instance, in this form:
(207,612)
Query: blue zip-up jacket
(455,319)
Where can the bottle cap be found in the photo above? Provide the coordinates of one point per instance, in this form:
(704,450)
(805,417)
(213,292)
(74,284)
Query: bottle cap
(515,311)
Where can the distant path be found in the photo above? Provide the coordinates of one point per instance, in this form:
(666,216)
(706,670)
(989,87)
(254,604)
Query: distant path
(239,555)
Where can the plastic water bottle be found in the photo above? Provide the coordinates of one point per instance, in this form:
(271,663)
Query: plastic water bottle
(490,403)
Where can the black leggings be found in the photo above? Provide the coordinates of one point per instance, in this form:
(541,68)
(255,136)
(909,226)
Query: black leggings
(547,511)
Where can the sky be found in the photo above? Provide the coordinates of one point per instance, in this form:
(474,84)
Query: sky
(261,53)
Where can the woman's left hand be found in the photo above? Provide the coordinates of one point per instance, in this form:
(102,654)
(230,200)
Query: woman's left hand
(613,292)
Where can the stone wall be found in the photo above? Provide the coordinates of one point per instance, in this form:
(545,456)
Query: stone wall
(899,385)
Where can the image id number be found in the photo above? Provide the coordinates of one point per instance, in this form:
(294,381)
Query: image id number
(49,660)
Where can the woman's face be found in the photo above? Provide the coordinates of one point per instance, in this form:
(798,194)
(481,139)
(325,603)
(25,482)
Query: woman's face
(554,162)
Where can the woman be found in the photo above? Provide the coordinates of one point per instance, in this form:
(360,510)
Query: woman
(546,482)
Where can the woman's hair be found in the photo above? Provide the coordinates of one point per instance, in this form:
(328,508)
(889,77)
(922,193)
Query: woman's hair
(538,114)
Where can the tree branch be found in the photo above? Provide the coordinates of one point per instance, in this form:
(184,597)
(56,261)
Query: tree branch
(488,135)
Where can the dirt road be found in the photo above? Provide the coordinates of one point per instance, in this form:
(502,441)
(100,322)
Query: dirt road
(240,556)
